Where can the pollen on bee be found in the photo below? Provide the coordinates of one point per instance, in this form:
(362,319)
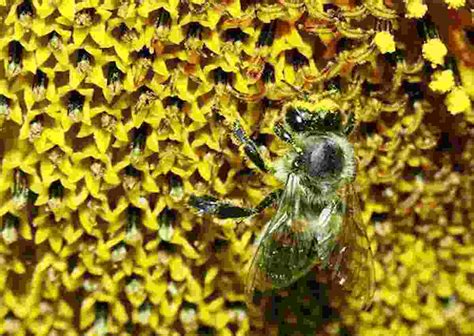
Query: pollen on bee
(299,225)
(287,237)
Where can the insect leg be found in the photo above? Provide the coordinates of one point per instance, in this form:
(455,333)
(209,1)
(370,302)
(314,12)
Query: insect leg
(212,206)
(250,147)
(283,133)
(269,200)
(350,123)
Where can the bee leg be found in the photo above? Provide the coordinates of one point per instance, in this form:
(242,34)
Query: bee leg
(250,147)
(212,206)
(350,123)
(269,200)
(282,133)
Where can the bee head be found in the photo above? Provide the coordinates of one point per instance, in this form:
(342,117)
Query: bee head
(321,156)
(301,119)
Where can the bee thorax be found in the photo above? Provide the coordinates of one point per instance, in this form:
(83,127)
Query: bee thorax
(324,159)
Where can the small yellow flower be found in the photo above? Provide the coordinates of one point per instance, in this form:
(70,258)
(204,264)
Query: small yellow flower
(119,252)
(385,42)
(443,81)
(5,109)
(409,311)
(455,3)
(189,318)
(178,269)
(135,291)
(443,285)
(457,101)
(415,9)
(133,232)
(13,326)
(434,51)
(9,230)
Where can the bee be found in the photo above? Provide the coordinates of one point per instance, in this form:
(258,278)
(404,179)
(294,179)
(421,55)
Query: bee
(317,221)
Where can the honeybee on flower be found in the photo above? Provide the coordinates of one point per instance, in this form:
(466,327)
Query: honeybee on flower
(317,221)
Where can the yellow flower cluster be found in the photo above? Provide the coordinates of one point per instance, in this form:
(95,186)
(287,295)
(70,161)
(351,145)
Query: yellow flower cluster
(443,81)
(385,42)
(434,51)
(458,101)
(415,9)
(113,112)
(455,3)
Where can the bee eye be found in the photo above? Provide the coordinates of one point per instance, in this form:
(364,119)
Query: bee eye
(324,159)
(298,162)
(295,118)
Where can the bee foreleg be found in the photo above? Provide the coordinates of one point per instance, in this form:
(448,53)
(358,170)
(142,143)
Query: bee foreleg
(250,147)
(350,123)
(282,133)
(212,206)
(269,200)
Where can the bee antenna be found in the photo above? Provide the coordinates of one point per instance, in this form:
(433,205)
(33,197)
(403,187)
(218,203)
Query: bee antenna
(296,89)
(299,91)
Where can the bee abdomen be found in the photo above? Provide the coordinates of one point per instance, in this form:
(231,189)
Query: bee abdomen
(288,258)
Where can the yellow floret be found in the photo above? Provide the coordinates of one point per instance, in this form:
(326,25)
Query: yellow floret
(434,51)
(455,3)
(457,101)
(443,81)
(415,9)
(385,42)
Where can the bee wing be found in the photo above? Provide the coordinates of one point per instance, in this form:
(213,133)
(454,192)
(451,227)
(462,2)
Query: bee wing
(256,278)
(289,245)
(352,262)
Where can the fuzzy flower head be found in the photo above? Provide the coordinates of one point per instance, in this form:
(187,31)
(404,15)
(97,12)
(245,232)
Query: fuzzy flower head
(416,9)
(443,81)
(434,51)
(457,101)
(385,42)
(455,3)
